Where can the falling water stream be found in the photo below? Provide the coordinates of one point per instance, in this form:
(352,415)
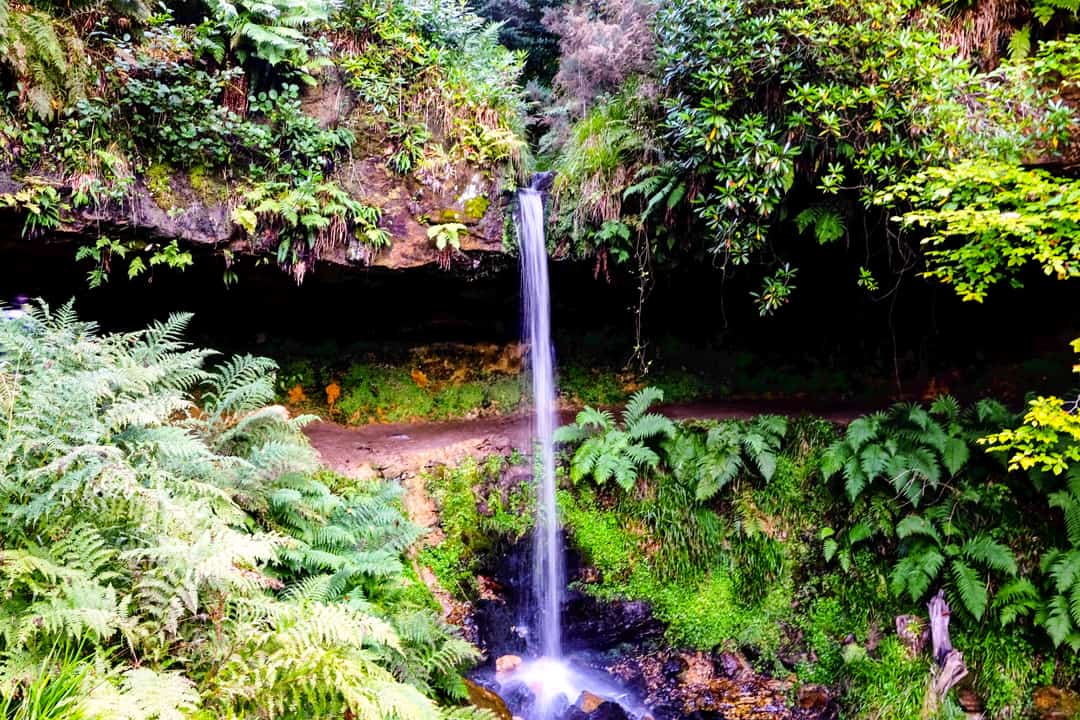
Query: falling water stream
(548,571)
(554,680)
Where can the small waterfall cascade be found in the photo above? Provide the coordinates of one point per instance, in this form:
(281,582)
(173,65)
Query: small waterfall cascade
(553,681)
(549,575)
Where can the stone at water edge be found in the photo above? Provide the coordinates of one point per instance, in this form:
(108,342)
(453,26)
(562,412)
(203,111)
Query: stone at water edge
(813,697)
(673,667)
(507,664)
(734,666)
(608,711)
(485,699)
(589,702)
(699,669)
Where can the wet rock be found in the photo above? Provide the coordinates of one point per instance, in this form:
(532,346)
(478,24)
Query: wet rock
(750,652)
(673,667)
(699,669)
(560,705)
(734,666)
(608,711)
(490,589)
(507,664)
(485,699)
(793,651)
(813,697)
(497,623)
(518,696)
(589,702)
(591,624)
(1052,703)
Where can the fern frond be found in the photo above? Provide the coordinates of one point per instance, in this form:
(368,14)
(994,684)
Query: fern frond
(640,402)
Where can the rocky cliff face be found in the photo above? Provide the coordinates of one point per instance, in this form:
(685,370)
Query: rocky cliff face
(195,206)
(196,211)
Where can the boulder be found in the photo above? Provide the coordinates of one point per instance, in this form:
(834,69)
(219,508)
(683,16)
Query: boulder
(733,666)
(507,664)
(608,711)
(592,624)
(194,207)
(589,702)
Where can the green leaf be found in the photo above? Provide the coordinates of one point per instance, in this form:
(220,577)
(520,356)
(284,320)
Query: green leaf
(830,549)
(955,455)
(916,525)
(970,588)
(136,267)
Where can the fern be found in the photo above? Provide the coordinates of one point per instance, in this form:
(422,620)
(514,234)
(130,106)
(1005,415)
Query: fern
(929,547)
(617,451)
(727,450)
(906,447)
(46,57)
(137,524)
(270,29)
(827,223)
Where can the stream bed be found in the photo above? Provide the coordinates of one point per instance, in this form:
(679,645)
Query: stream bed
(616,662)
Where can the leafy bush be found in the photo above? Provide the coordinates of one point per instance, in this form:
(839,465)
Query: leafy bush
(600,46)
(436,66)
(1048,445)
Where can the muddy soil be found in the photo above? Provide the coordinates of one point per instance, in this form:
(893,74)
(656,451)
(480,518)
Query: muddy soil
(405,448)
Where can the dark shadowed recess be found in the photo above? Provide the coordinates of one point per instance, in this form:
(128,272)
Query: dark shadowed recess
(695,318)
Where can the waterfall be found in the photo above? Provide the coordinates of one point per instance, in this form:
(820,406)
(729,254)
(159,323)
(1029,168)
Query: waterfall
(550,680)
(549,579)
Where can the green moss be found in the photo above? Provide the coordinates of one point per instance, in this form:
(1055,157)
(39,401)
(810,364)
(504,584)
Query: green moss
(159,178)
(591,386)
(375,393)
(503,395)
(476,207)
(458,400)
(381,393)
(468,534)
(206,185)
(702,610)
(453,560)
(446,216)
